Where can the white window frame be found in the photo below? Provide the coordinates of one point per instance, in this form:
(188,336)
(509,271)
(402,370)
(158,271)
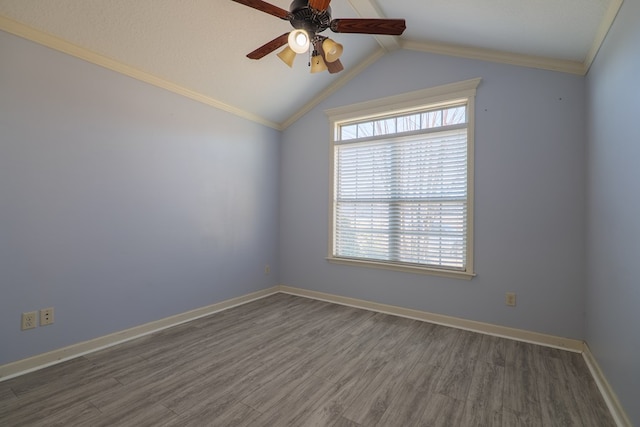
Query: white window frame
(434,97)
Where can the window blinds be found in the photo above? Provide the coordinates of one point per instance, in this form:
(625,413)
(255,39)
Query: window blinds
(403,199)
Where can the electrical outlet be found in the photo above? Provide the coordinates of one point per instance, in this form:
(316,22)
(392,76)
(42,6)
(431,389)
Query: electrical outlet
(267,269)
(46,316)
(510,299)
(29,320)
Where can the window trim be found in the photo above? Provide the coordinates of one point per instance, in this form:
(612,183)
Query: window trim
(397,105)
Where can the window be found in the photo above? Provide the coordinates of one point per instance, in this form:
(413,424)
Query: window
(402,190)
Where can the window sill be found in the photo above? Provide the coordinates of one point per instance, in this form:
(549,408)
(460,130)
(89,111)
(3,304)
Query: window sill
(403,267)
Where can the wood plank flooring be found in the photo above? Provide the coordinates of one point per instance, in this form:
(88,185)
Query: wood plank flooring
(286,360)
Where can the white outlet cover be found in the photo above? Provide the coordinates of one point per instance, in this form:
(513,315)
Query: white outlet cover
(46,316)
(29,320)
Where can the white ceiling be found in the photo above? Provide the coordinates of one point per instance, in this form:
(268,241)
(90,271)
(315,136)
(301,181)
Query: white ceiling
(198,47)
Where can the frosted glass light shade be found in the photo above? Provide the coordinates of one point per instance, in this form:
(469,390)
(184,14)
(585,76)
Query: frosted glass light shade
(332,50)
(317,64)
(287,55)
(299,41)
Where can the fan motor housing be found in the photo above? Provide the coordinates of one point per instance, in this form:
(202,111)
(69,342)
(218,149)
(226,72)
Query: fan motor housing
(305,18)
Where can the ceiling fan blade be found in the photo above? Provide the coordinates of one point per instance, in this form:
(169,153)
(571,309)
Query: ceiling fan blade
(320,5)
(265,7)
(333,67)
(392,27)
(267,48)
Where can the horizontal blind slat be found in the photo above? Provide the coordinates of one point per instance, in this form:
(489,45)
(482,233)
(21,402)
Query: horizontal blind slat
(403,199)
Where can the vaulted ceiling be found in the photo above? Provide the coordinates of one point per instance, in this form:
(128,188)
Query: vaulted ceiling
(197,47)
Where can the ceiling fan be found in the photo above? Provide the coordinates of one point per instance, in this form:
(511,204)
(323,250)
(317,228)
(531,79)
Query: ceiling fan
(309,18)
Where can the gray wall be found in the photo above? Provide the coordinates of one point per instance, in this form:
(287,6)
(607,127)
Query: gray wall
(530,198)
(613,286)
(121,203)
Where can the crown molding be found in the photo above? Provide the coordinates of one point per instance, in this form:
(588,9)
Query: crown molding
(603,30)
(26,32)
(362,8)
(530,61)
(371,9)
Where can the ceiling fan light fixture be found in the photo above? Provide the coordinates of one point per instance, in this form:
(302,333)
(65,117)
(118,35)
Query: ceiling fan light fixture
(299,41)
(317,63)
(332,50)
(310,18)
(287,55)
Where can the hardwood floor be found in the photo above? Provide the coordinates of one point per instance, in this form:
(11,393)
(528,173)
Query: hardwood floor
(286,360)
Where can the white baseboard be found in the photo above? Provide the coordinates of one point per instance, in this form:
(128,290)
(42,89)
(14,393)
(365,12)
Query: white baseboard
(578,346)
(43,360)
(40,361)
(455,322)
(610,397)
